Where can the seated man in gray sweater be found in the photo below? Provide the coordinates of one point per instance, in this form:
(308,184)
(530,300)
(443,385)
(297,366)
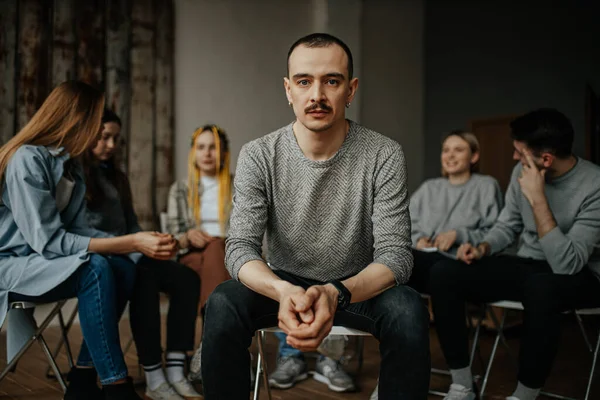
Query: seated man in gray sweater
(553,202)
(332,197)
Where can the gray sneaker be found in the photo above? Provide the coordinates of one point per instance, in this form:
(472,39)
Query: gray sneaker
(330,372)
(289,371)
(459,392)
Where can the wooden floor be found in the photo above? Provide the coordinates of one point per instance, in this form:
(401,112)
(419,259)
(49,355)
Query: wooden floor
(568,377)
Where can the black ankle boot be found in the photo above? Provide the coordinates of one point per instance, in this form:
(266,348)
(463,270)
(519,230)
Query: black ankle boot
(82,385)
(121,391)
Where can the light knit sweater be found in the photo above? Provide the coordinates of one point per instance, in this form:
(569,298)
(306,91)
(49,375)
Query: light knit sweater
(323,219)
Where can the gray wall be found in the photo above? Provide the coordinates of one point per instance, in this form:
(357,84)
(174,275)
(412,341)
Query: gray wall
(485,59)
(392,76)
(230,59)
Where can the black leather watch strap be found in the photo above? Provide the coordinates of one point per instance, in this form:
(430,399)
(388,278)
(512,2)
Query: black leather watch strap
(344,295)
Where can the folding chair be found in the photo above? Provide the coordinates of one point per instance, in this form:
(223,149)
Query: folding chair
(64,339)
(261,367)
(22,331)
(517,306)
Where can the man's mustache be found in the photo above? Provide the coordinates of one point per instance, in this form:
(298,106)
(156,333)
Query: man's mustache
(318,105)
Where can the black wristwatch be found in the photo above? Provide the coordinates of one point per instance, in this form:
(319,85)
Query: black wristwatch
(344,295)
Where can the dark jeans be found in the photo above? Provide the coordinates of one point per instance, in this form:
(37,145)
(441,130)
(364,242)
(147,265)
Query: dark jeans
(544,294)
(396,317)
(423,262)
(182,285)
(102,287)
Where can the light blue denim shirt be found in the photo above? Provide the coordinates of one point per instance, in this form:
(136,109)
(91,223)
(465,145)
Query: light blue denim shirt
(42,242)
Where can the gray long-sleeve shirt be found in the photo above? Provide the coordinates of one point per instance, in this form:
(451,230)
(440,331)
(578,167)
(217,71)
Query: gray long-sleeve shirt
(574,200)
(324,219)
(470,208)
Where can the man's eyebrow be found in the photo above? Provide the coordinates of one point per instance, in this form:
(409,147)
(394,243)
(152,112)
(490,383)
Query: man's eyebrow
(329,75)
(302,75)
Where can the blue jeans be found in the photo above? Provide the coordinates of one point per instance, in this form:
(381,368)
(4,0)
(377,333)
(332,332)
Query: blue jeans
(102,286)
(285,350)
(396,317)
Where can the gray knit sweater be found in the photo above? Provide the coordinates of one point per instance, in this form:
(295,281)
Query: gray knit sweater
(323,219)
(574,200)
(470,208)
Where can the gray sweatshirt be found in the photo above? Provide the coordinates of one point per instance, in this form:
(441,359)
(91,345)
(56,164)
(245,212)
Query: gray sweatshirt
(324,219)
(471,208)
(574,199)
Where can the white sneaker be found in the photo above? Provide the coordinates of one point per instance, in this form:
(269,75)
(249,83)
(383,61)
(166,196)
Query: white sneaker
(163,392)
(186,390)
(459,392)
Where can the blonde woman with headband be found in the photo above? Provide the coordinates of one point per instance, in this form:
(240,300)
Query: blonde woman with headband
(198,209)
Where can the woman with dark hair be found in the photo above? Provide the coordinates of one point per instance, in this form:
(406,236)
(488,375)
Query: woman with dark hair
(48,252)
(110,209)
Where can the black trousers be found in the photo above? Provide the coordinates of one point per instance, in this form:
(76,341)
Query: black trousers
(396,317)
(544,294)
(182,285)
(423,262)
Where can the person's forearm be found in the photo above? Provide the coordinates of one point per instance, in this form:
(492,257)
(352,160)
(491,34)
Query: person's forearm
(544,219)
(257,276)
(115,245)
(370,282)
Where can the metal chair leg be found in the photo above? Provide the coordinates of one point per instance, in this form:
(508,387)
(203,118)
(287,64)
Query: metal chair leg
(265,373)
(65,328)
(257,376)
(594,361)
(52,362)
(499,328)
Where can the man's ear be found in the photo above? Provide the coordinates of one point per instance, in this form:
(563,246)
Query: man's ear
(548,159)
(286,85)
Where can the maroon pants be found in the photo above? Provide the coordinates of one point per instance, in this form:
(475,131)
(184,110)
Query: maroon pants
(209,264)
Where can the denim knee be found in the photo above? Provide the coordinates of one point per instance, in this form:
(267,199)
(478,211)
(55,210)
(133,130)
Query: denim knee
(222,308)
(97,269)
(406,319)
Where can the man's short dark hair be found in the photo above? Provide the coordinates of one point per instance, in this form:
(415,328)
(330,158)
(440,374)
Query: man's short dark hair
(322,40)
(543,130)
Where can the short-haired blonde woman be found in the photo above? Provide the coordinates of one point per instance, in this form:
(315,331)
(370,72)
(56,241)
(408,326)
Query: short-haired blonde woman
(461,206)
